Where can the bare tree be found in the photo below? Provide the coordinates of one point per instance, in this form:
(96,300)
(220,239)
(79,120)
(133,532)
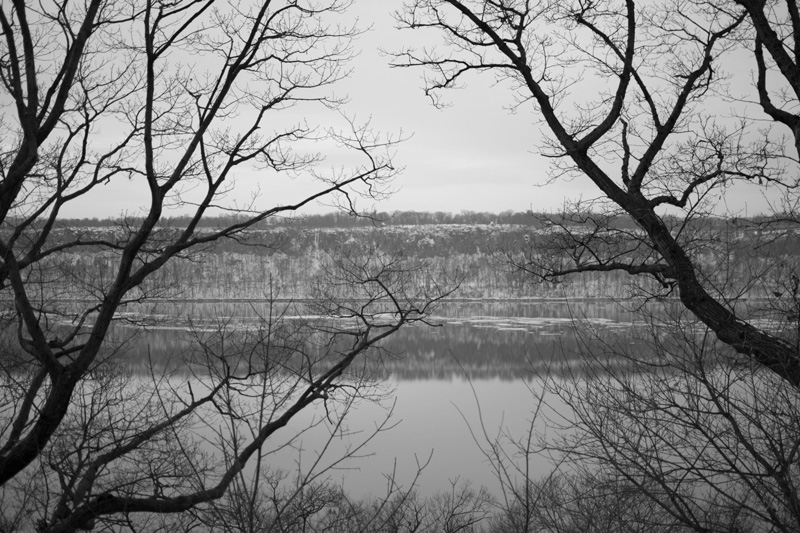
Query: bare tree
(178,99)
(186,433)
(647,100)
(712,446)
(662,428)
(631,96)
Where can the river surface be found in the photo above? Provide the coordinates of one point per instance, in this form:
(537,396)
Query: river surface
(479,369)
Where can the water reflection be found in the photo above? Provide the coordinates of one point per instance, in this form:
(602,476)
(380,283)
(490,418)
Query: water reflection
(436,420)
(486,340)
(483,353)
(602,309)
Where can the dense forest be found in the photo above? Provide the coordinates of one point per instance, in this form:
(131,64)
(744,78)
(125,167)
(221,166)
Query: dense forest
(284,259)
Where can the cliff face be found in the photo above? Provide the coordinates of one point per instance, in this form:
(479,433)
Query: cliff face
(286,261)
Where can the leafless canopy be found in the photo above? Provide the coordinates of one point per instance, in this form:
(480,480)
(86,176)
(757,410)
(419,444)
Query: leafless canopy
(172,100)
(636,97)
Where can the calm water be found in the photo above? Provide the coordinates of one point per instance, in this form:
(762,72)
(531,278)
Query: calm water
(482,354)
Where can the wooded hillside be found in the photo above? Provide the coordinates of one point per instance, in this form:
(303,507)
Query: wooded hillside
(286,258)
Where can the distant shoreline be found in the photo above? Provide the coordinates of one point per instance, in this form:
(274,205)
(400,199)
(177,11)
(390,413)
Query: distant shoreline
(500,299)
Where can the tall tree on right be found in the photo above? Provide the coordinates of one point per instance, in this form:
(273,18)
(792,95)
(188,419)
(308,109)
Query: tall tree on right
(642,99)
(670,108)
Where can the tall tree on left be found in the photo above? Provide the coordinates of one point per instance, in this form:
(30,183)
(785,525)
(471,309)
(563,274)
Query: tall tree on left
(174,99)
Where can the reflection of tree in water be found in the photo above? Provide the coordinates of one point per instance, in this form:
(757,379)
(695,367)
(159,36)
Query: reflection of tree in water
(603,309)
(484,348)
(491,352)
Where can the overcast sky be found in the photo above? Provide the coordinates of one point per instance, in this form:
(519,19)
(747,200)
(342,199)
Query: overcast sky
(474,155)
